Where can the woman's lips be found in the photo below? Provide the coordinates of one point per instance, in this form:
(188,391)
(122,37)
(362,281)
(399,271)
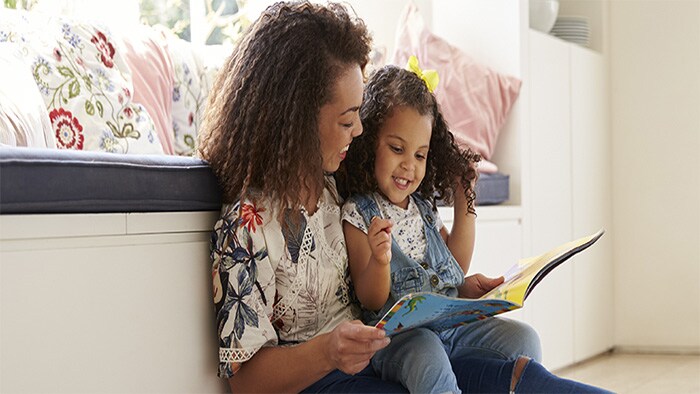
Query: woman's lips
(344,152)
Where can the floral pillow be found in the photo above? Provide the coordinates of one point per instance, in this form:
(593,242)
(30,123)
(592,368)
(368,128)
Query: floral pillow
(188,95)
(474,99)
(195,69)
(84,81)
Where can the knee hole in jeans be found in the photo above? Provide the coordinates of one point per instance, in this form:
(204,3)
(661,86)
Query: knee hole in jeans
(518,369)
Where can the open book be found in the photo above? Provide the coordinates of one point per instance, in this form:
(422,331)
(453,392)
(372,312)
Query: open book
(440,312)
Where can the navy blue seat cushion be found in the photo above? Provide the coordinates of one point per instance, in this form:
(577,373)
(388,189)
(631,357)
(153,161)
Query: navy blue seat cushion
(34,180)
(492,189)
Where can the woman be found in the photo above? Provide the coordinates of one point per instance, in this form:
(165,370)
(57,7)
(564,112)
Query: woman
(281,117)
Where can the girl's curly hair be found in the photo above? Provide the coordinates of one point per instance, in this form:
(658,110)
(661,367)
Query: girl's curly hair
(260,129)
(392,87)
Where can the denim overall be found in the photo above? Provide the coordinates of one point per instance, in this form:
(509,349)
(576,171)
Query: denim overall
(439,272)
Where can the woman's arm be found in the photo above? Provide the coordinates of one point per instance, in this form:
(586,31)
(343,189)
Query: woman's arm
(368,257)
(349,347)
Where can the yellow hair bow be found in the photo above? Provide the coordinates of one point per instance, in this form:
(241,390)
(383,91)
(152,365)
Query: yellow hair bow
(430,77)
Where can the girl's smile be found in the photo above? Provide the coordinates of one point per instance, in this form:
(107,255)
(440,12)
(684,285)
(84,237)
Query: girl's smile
(401,183)
(402,152)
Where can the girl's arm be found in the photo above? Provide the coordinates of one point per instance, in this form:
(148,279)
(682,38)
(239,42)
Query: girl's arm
(368,257)
(461,240)
(349,347)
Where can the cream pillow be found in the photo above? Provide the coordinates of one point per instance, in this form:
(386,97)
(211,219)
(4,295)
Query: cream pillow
(23,117)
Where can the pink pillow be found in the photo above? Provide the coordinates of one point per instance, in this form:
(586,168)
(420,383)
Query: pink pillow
(474,99)
(152,74)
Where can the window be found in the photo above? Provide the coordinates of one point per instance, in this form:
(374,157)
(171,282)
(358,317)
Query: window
(200,21)
(208,22)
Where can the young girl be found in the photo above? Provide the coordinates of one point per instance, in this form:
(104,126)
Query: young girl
(404,160)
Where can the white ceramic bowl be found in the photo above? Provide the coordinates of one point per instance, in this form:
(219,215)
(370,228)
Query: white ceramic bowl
(543,14)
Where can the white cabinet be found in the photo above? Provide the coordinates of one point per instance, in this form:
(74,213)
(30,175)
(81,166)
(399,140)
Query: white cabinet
(550,306)
(570,197)
(592,202)
(113,302)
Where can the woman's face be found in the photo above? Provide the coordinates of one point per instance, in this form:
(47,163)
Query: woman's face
(339,119)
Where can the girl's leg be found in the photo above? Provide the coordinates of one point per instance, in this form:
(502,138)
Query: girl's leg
(416,359)
(495,337)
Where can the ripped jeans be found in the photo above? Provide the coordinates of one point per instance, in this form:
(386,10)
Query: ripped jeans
(423,360)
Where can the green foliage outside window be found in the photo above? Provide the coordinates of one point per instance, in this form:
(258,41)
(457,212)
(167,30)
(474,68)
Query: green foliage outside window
(224,20)
(20,4)
(223,23)
(173,14)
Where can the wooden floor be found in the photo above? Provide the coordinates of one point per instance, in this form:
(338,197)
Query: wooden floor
(639,373)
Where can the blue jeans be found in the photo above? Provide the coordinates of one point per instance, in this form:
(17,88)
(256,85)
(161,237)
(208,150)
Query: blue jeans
(364,382)
(422,360)
(475,375)
(485,375)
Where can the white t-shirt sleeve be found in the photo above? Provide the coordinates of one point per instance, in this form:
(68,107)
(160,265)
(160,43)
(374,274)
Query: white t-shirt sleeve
(438,220)
(352,216)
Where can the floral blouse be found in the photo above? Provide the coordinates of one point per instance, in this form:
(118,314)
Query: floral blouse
(277,285)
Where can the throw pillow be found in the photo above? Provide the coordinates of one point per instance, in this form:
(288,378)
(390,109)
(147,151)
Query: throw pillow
(23,117)
(152,74)
(84,81)
(474,99)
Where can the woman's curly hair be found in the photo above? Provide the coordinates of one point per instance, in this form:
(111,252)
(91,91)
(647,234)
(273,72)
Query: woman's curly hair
(392,87)
(260,130)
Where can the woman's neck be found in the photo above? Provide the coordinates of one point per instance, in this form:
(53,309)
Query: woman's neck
(310,200)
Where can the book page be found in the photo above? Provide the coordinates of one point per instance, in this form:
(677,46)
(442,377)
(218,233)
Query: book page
(519,277)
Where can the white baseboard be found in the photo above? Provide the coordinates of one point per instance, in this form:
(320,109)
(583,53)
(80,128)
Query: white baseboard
(680,350)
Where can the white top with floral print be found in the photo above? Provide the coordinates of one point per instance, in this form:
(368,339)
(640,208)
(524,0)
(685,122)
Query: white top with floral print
(408,224)
(276,286)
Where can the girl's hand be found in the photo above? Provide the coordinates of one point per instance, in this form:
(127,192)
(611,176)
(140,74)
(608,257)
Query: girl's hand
(352,344)
(477,285)
(379,236)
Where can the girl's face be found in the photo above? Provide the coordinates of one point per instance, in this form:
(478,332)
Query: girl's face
(402,152)
(339,120)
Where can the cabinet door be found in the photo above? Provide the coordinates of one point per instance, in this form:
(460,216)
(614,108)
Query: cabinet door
(550,307)
(593,319)
(498,246)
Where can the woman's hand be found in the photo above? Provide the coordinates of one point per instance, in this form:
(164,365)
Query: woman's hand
(352,344)
(379,235)
(477,285)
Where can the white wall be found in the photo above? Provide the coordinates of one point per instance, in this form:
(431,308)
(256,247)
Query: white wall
(382,18)
(655,114)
